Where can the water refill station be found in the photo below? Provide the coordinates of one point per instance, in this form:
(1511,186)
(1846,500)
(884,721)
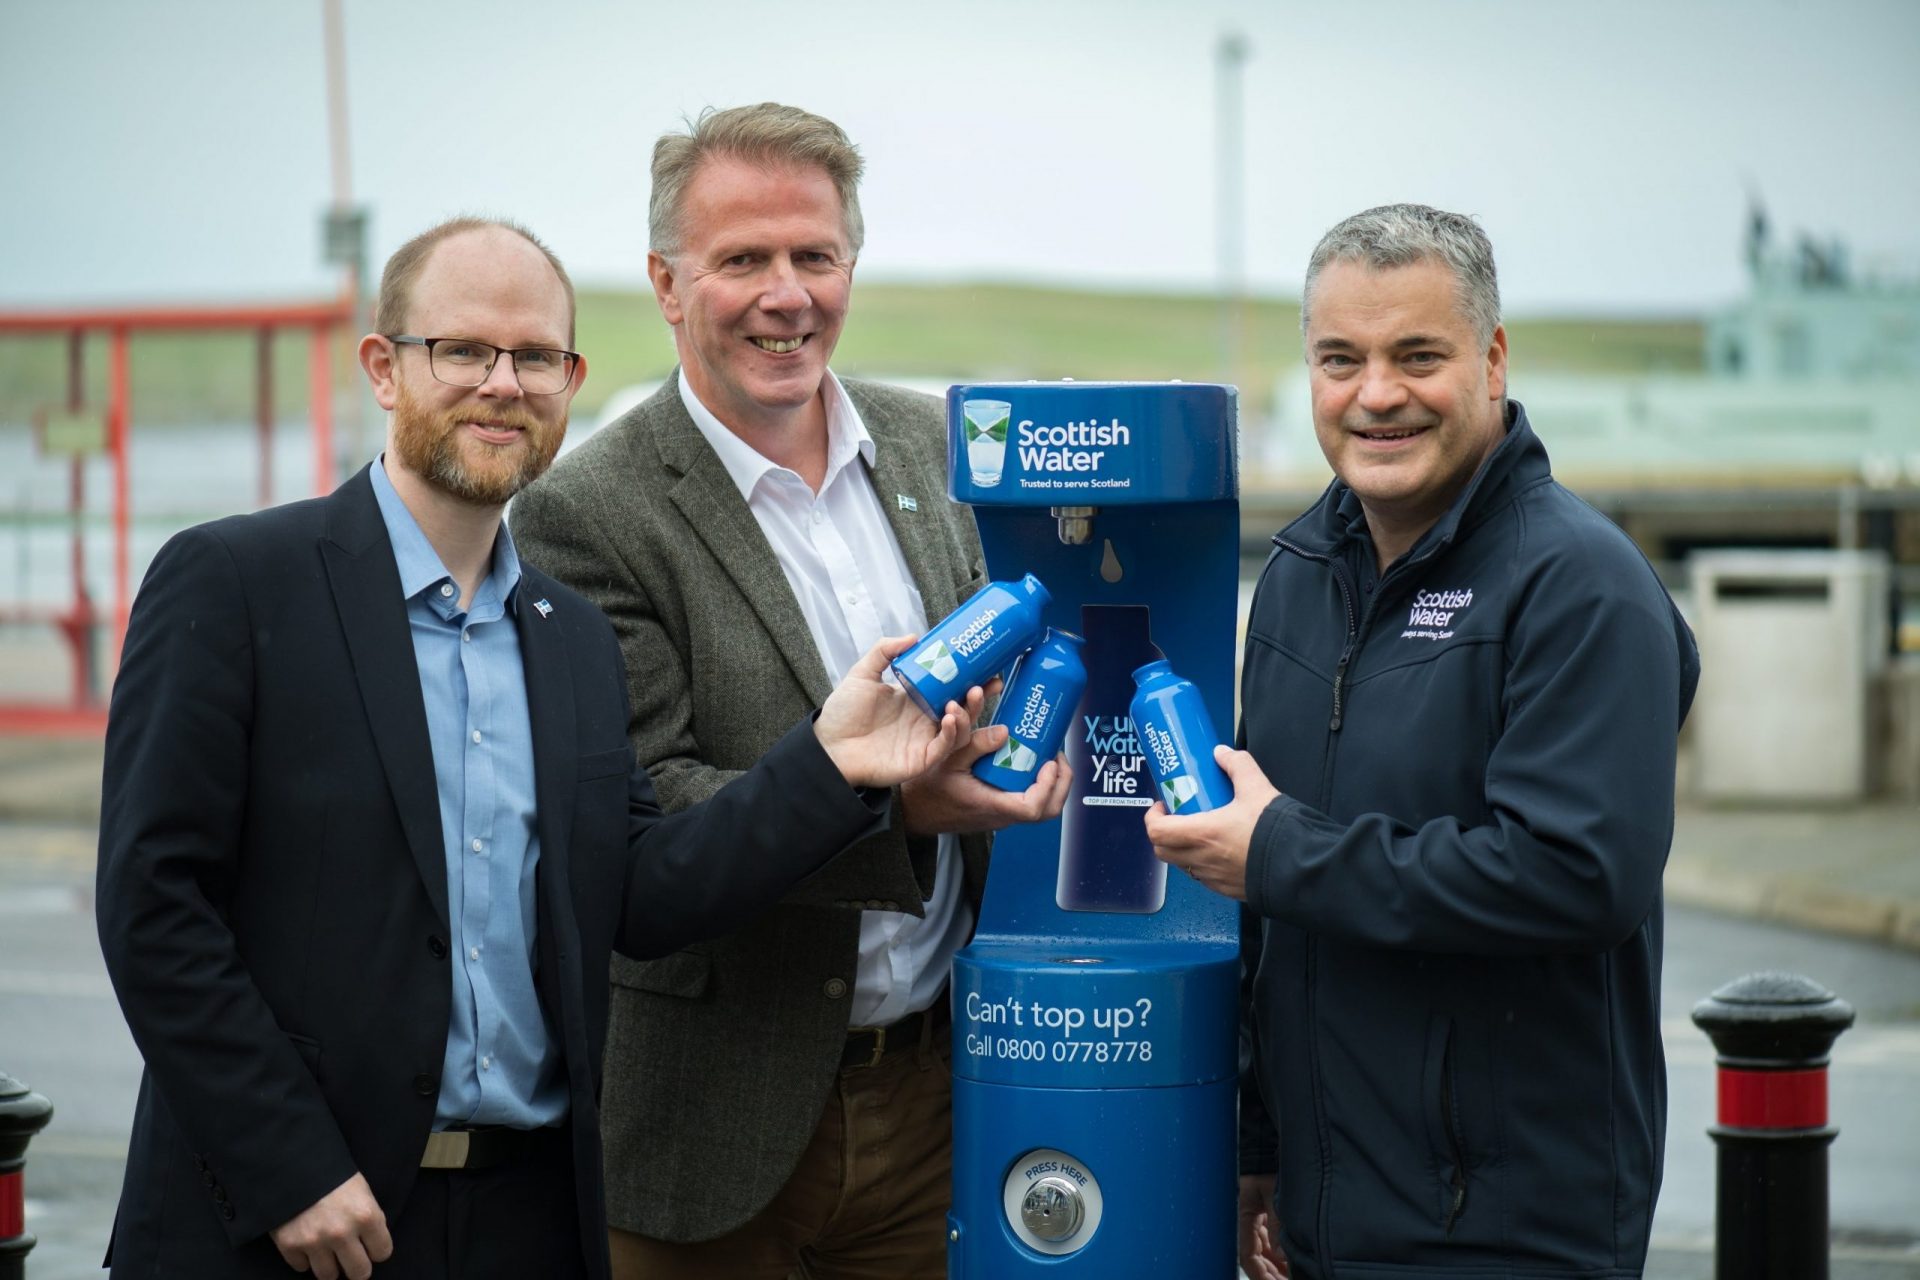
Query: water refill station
(1095,1035)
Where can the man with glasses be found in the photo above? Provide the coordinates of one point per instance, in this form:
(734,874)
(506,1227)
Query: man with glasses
(371,828)
(778,1100)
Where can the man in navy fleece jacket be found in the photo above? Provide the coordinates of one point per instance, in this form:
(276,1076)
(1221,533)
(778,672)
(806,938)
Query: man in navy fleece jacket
(1461,694)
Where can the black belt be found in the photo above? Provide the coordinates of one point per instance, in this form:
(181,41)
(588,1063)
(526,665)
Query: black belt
(489,1148)
(867,1045)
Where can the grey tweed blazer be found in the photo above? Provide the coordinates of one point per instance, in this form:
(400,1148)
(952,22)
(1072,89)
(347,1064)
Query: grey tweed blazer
(720,1058)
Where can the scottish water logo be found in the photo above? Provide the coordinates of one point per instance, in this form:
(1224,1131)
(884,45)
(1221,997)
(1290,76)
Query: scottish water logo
(1179,738)
(972,644)
(1069,446)
(1177,788)
(1037,709)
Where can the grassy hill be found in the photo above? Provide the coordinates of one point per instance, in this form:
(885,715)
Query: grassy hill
(933,331)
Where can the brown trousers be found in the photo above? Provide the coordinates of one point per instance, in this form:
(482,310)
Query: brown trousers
(868,1200)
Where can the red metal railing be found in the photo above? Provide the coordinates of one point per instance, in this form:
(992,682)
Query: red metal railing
(84,711)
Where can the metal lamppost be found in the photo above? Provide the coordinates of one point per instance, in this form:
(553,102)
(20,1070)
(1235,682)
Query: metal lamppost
(1229,55)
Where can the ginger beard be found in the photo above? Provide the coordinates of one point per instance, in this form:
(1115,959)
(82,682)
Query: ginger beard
(434,445)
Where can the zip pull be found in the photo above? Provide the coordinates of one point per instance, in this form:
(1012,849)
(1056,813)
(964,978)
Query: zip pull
(1339,679)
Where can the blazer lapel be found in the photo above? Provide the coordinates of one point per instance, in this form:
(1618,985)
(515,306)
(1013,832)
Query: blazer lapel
(373,615)
(556,748)
(914,523)
(721,519)
(556,761)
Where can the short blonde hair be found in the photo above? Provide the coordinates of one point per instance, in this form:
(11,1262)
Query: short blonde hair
(768,134)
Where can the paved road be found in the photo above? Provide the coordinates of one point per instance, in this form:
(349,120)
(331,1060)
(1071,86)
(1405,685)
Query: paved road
(61,1032)
(1875,1088)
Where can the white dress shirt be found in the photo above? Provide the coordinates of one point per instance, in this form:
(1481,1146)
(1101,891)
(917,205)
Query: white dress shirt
(846,570)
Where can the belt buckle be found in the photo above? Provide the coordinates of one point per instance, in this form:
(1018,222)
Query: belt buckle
(447,1150)
(879,1046)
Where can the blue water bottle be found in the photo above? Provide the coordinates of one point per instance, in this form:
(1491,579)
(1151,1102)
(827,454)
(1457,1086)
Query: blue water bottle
(1037,708)
(1177,738)
(973,644)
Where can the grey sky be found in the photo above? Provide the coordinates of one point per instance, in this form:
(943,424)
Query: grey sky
(165,151)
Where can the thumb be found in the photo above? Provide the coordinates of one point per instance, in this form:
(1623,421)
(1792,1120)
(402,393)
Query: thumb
(1239,766)
(875,660)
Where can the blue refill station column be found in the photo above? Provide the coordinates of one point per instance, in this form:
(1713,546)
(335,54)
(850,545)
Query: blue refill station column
(1094,1013)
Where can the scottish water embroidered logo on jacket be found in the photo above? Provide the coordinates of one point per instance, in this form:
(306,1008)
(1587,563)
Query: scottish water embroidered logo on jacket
(1431,617)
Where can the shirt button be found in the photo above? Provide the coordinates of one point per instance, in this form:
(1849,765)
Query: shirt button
(819,516)
(486,1064)
(473,953)
(852,599)
(446,588)
(476,735)
(466,637)
(835,988)
(477,846)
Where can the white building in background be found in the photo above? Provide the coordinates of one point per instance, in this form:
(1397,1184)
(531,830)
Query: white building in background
(1809,316)
(1667,430)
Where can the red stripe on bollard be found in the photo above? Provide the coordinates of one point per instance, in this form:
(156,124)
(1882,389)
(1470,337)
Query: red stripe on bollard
(1773,1099)
(13,1205)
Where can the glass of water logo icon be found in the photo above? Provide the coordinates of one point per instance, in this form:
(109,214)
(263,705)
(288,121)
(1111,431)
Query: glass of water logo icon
(1179,792)
(986,438)
(1016,754)
(939,661)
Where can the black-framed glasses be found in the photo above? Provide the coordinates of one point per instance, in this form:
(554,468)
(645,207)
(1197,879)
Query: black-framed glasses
(462,362)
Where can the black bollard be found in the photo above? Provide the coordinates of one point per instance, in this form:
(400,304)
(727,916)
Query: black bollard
(22,1114)
(1772,1033)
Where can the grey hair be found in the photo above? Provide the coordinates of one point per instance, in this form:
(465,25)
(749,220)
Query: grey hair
(768,134)
(1399,235)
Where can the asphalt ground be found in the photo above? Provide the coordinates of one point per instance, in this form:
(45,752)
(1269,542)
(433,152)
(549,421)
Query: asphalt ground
(1782,879)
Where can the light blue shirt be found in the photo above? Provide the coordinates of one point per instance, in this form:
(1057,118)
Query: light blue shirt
(501,1065)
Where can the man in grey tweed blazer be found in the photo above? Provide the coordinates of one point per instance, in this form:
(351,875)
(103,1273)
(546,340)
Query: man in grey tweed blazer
(776,1102)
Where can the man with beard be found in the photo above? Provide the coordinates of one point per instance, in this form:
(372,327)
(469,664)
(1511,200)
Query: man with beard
(371,828)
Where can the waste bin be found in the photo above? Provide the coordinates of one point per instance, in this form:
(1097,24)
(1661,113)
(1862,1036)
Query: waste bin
(1790,645)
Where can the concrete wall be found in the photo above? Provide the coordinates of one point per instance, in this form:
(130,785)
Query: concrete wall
(1897,701)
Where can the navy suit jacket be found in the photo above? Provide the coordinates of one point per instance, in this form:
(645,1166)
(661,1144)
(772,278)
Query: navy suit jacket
(272,892)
